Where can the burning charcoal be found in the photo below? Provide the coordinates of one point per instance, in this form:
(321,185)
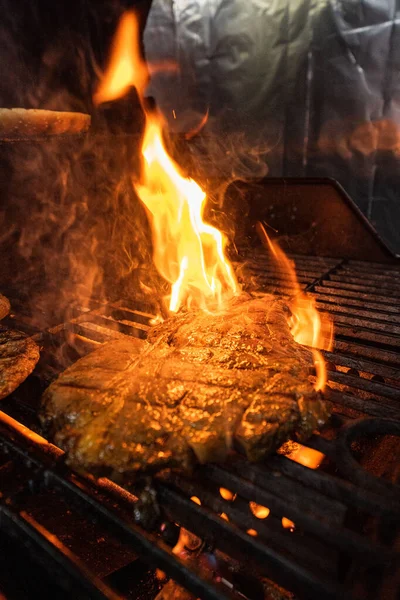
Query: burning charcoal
(18,357)
(4,306)
(203,383)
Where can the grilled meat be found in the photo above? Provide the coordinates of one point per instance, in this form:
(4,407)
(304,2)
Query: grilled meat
(202,384)
(4,306)
(18,357)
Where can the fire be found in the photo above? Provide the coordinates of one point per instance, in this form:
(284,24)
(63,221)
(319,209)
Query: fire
(188,252)
(306,323)
(125,67)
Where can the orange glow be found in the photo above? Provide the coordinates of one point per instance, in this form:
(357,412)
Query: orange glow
(307,325)
(306,456)
(227,494)
(188,252)
(288,524)
(196,500)
(224,516)
(252,532)
(261,512)
(183,540)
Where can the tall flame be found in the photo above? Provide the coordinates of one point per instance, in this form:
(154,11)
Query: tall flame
(188,252)
(307,325)
(125,66)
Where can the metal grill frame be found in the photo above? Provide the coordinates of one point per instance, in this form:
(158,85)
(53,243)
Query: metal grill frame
(364,381)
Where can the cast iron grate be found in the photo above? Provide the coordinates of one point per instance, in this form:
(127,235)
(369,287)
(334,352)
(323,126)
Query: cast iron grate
(346,513)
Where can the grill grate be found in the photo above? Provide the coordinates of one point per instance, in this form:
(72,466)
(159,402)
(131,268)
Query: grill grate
(345,513)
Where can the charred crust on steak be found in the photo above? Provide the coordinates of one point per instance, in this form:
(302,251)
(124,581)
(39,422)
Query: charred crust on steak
(4,306)
(202,385)
(18,357)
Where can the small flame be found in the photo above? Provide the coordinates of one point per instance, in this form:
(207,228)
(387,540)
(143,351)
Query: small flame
(188,252)
(307,325)
(187,540)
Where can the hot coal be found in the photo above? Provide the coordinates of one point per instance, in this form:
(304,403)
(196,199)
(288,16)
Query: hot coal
(202,384)
(18,357)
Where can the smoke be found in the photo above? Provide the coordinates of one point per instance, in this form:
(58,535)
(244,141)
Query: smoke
(71,226)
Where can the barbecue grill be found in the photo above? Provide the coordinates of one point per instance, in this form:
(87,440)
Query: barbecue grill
(63,534)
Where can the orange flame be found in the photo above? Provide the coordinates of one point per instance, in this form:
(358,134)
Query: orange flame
(307,325)
(188,252)
(125,67)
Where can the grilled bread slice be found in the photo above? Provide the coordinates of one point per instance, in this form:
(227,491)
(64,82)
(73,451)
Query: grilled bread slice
(22,124)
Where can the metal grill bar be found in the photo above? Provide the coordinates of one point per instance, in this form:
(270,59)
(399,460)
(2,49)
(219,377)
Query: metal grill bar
(363,378)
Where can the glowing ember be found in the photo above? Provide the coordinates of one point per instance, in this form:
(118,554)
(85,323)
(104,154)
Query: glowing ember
(307,325)
(288,524)
(261,512)
(306,456)
(160,575)
(188,252)
(227,494)
(252,532)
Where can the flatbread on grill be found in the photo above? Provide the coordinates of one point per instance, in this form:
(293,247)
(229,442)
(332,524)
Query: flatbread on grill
(18,357)
(204,384)
(4,306)
(21,124)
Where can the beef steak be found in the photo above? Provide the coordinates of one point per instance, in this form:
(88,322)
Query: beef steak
(200,385)
(18,357)
(4,307)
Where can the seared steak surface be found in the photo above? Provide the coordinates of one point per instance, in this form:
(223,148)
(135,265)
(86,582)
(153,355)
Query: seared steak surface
(4,307)
(18,357)
(202,384)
